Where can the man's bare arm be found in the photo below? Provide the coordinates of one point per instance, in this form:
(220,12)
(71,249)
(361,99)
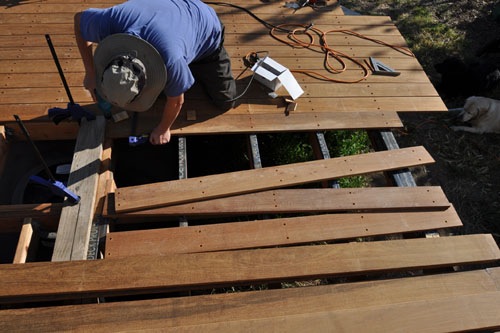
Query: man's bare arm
(161,134)
(85,48)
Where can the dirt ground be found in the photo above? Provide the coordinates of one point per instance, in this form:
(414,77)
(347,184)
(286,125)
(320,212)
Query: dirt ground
(467,165)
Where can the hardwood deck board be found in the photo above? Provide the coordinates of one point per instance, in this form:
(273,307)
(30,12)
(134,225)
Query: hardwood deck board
(236,51)
(274,232)
(227,18)
(248,181)
(66,28)
(141,274)
(204,309)
(259,40)
(294,59)
(71,8)
(47,95)
(75,66)
(32,85)
(319,200)
(459,313)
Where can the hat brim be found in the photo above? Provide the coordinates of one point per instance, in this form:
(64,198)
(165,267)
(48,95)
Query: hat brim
(156,73)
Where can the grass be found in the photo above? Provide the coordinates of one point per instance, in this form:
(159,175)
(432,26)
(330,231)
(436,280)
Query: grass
(287,148)
(427,35)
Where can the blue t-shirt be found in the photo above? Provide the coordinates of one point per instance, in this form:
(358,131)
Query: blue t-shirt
(182,31)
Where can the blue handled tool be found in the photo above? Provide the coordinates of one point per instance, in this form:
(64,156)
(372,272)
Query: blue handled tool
(73,111)
(55,186)
(136,140)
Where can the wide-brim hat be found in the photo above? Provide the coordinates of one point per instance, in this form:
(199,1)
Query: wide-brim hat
(155,72)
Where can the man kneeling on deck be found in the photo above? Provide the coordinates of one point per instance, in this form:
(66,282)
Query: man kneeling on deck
(146,47)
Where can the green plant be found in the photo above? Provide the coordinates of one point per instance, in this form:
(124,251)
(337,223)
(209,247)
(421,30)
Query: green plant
(345,143)
(285,148)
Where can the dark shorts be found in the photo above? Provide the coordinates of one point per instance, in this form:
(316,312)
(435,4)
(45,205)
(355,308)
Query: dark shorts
(215,75)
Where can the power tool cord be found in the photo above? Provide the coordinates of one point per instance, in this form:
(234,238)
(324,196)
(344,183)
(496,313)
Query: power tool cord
(292,31)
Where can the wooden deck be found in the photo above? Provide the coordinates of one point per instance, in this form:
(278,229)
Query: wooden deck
(280,256)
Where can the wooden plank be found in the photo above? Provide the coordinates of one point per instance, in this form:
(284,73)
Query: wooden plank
(71,8)
(43,129)
(227,18)
(225,123)
(20,58)
(277,51)
(275,232)
(196,310)
(45,94)
(460,313)
(294,122)
(261,38)
(105,176)
(374,199)
(51,79)
(140,274)
(495,275)
(12,216)
(24,242)
(66,28)
(214,186)
(74,226)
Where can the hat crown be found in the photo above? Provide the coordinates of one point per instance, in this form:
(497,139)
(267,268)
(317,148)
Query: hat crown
(123,79)
(130,72)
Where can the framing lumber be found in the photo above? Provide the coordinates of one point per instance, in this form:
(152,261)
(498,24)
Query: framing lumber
(374,199)
(24,242)
(274,232)
(241,182)
(12,216)
(268,305)
(149,274)
(74,226)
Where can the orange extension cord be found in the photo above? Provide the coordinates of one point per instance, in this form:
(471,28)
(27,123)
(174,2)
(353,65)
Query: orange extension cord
(292,39)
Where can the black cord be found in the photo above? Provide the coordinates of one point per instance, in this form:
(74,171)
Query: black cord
(264,23)
(255,58)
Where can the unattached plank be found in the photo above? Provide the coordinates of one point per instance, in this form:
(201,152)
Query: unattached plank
(453,314)
(286,201)
(148,274)
(161,314)
(275,232)
(203,188)
(76,220)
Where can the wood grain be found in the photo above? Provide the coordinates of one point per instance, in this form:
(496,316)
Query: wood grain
(267,305)
(248,181)
(147,274)
(275,232)
(74,225)
(374,199)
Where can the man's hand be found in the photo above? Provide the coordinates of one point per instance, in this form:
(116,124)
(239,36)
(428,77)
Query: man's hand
(171,109)
(159,136)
